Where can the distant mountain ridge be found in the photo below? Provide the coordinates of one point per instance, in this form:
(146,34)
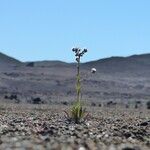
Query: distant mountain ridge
(134,63)
(117,78)
(141,57)
(5,59)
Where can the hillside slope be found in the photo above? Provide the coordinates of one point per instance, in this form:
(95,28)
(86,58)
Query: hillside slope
(117,79)
(7,60)
(136,64)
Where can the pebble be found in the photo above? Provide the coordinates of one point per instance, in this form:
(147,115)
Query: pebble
(81,148)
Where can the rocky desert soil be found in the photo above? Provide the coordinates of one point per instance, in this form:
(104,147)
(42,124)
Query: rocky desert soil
(44,127)
(120,87)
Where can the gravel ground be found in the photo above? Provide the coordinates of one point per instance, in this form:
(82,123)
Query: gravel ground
(27,127)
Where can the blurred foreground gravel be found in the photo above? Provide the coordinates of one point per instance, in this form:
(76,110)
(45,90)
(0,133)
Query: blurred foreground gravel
(30,127)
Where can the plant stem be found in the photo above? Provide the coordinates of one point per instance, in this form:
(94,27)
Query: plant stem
(78,81)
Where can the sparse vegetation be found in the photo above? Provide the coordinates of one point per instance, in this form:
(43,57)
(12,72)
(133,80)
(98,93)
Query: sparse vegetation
(77,112)
(100,105)
(93,104)
(64,103)
(36,100)
(136,106)
(148,105)
(111,103)
(30,64)
(127,106)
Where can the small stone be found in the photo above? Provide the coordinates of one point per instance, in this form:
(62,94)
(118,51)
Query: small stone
(14,139)
(90,133)
(106,135)
(144,124)
(131,140)
(99,136)
(87,124)
(81,148)
(72,128)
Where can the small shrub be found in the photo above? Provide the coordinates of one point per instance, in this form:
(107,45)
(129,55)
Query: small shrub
(127,106)
(64,103)
(77,112)
(93,104)
(148,105)
(111,103)
(11,97)
(138,102)
(6,97)
(36,100)
(100,105)
(30,64)
(136,106)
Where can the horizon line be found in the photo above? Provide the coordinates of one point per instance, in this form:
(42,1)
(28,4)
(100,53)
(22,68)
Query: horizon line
(118,56)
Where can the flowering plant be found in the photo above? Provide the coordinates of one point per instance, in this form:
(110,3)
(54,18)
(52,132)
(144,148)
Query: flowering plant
(77,112)
(78,54)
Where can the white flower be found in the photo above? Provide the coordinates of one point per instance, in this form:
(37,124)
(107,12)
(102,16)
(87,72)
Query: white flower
(93,70)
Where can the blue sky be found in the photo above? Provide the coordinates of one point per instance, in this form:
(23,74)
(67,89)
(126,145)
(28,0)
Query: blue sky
(48,29)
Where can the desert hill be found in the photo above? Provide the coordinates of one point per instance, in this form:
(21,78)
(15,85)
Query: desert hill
(117,78)
(132,65)
(7,60)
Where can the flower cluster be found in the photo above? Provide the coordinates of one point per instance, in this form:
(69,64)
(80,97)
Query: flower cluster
(79,53)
